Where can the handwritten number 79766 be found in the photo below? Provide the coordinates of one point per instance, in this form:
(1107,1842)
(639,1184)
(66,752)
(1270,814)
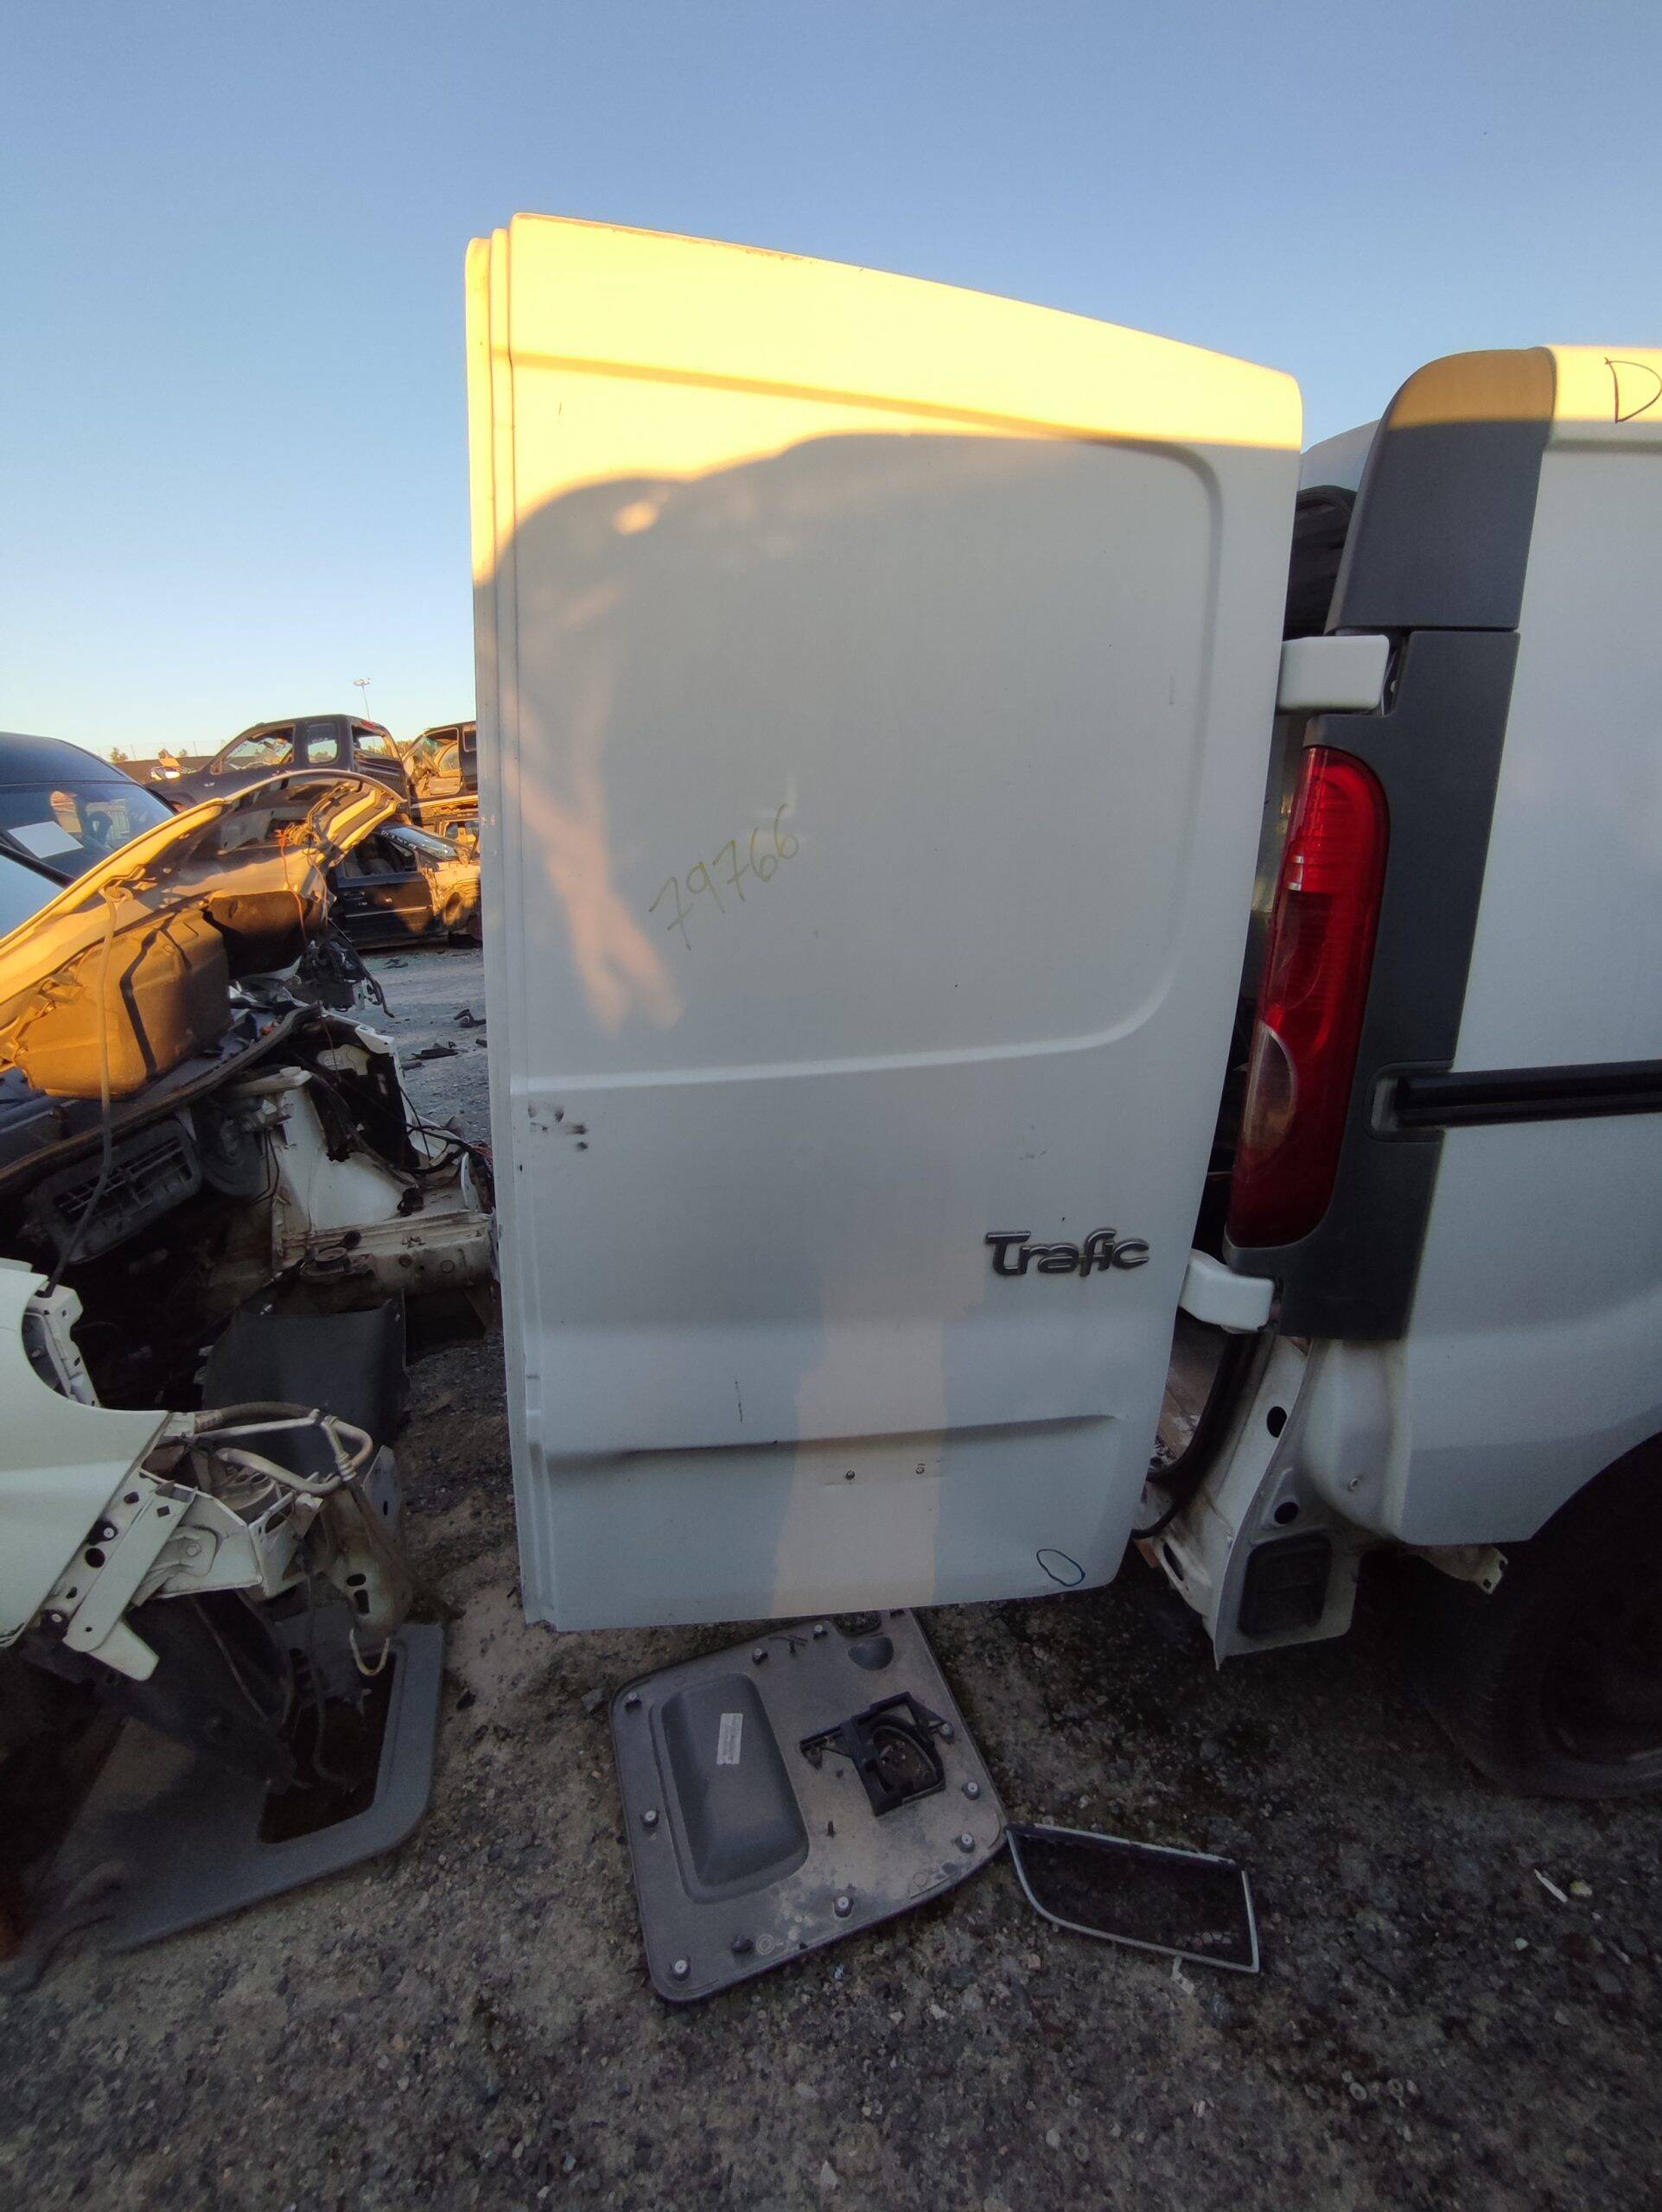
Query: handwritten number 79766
(704,879)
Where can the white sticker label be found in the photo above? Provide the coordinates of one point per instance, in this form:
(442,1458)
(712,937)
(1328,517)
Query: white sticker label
(727,1739)
(46,839)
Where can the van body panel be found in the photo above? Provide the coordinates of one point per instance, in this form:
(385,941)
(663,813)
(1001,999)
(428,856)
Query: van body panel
(1525,1360)
(874,693)
(1533,1350)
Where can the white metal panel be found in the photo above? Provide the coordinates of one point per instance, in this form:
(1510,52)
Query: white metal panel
(875,685)
(62,1463)
(1532,1354)
(1339,461)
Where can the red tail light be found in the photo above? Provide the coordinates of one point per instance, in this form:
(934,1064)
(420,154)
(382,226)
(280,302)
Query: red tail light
(1310,1005)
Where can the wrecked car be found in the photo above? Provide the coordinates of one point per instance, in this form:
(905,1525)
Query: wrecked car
(338,743)
(402,884)
(61,812)
(443,765)
(223,1227)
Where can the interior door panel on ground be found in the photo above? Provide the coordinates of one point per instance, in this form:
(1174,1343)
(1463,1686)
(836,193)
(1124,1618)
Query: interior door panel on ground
(875,681)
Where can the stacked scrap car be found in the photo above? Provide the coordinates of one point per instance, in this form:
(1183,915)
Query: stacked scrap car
(335,743)
(443,765)
(219,1212)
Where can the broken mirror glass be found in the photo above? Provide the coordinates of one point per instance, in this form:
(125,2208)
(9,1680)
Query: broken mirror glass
(1186,1902)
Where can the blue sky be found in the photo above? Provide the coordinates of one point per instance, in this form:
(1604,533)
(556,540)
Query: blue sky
(231,415)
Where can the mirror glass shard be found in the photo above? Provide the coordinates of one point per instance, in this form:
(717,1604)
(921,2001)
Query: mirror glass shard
(1186,1902)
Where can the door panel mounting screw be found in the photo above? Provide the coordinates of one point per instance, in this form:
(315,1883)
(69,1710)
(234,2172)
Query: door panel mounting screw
(844,1907)
(680,1969)
(972,1790)
(649,1818)
(966,1841)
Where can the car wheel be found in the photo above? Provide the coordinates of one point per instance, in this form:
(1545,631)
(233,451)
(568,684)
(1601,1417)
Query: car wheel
(1553,1685)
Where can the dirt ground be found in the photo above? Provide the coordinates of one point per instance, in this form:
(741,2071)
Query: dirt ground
(468,2022)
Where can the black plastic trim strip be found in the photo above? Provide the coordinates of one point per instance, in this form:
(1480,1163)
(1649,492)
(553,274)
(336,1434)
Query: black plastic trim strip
(1321,522)
(1435,556)
(1440,537)
(1488,1097)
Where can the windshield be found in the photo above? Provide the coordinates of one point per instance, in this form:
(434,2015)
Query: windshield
(417,844)
(68,828)
(23,892)
(268,749)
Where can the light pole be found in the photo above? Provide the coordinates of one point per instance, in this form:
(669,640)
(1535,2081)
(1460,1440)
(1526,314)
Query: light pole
(361,684)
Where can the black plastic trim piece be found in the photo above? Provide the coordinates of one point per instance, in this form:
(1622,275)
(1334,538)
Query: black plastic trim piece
(195,1851)
(1286,1584)
(1321,520)
(1437,755)
(1440,532)
(1437,1099)
(1435,556)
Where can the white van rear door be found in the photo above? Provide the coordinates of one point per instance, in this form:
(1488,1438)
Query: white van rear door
(875,689)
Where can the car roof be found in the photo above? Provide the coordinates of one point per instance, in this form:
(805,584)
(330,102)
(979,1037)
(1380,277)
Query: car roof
(292,722)
(51,760)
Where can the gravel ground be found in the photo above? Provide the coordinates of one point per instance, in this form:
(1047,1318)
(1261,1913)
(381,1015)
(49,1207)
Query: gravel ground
(468,2022)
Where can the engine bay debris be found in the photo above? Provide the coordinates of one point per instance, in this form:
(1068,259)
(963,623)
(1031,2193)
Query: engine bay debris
(224,1229)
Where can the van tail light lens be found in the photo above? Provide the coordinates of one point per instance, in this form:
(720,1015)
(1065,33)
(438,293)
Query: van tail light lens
(1311,1000)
